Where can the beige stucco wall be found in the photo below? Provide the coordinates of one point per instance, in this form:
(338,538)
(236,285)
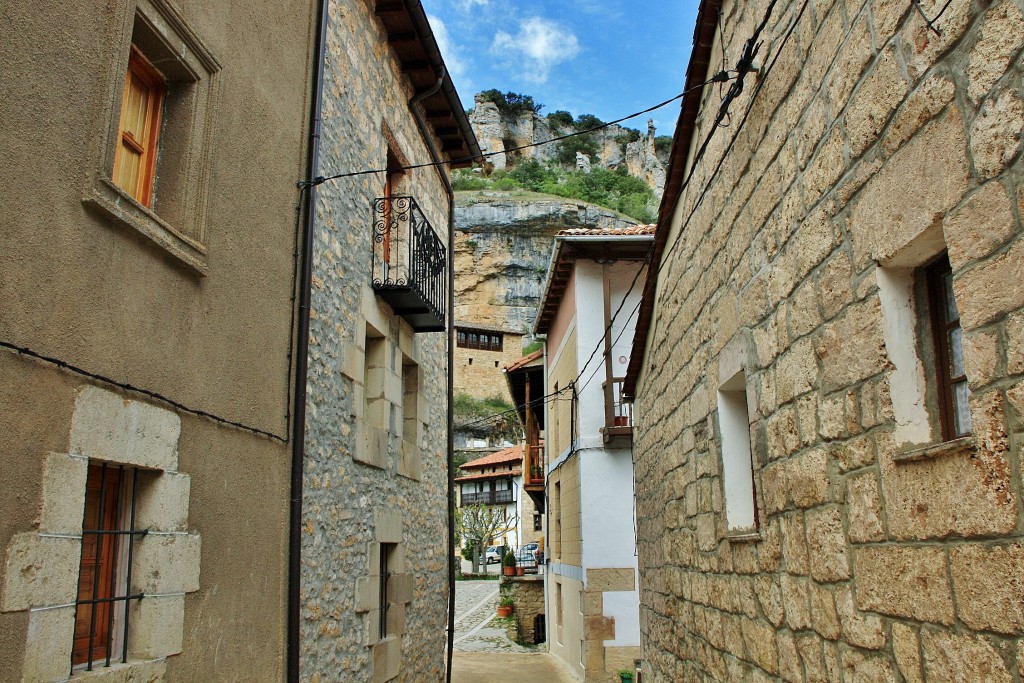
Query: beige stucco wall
(81,289)
(558,429)
(872,144)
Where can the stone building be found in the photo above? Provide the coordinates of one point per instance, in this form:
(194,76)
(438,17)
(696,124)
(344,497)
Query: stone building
(496,480)
(375,547)
(592,594)
(146,314)
(828,365)
(481,353)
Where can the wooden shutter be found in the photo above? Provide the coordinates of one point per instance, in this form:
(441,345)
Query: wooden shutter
(139,129)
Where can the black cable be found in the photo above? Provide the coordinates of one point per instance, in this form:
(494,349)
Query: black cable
(931,22)
(720,77)
(64,365)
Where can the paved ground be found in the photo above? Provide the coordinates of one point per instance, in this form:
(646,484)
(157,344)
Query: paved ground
(483,651)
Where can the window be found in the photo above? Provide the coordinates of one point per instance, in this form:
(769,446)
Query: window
(108,534)
(737,462)
(139,128)
(386,552)
(153,171)
(951,388)
(485,341)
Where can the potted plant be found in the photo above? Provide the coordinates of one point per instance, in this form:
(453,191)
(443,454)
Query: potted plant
(626,676)
(520,570)
(508,564)
(505,605)
(536,472)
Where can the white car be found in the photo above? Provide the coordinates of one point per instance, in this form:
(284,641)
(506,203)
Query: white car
(492,555)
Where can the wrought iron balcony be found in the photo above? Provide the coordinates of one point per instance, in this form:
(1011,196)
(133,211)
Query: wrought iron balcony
(410,263)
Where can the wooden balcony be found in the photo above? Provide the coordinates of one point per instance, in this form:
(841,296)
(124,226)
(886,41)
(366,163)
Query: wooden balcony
(533,467)
(618,415)
(488,498)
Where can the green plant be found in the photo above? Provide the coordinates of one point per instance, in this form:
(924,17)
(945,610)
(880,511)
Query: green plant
(560,118)
(625,675)
(565,150)
(663,145)
(511,103)
(588,121)
(508,561)
(507,601)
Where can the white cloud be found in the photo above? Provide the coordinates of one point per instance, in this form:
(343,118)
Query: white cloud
(456,67)
(469,4)
(540,45)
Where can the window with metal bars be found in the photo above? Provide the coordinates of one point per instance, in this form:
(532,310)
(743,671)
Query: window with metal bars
(105,569)
(386,551)
(952,389)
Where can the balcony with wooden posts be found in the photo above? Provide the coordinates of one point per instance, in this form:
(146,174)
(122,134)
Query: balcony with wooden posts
(618,414)
(500,497)
(533,467)
(410,263)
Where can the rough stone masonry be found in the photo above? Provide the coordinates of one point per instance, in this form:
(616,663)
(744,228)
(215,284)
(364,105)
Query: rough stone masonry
(882,552)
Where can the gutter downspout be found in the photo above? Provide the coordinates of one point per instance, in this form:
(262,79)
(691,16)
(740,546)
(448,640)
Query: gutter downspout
(302,351)
(436,158)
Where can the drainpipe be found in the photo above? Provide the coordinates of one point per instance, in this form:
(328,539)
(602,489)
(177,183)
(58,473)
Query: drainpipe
(436,158)
(302,350)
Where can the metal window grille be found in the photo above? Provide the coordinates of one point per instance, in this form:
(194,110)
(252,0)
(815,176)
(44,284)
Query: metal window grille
(104,580)
(385,575)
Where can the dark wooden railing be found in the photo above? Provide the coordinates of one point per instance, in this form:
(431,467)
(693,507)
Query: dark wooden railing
(488,497)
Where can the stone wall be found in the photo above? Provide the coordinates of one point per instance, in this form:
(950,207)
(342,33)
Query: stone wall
(872,144)
(369,485)
(528,592)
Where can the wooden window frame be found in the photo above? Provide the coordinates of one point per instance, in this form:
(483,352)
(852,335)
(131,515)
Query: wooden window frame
(147,148)
(475,339)
(939,299)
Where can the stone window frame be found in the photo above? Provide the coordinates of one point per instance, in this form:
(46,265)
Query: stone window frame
(107,427)
(908,332)
(379,401)
(386,651)
(734,374)
(176,222)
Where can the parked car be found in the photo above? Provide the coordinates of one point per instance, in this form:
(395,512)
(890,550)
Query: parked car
(493,554)
(525,558)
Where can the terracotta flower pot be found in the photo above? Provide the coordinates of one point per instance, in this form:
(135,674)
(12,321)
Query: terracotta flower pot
(520,571)
(508,571)
(504,610)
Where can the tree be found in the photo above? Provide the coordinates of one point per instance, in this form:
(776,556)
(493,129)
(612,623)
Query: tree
(478,525)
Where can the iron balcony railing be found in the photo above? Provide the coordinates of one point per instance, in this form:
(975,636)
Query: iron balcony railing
(410,263)
(488,497)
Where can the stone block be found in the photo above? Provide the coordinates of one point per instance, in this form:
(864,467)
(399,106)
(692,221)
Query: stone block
(794,543)
(809,647)
(166,563)
(834,290)
(988,582)
(593,602)
(48,648)
(64,478)
(40,571)
(992,288)
(953,657)
(605,580)
(795,599)
(109,427)
(599,628)
(1002,35)
(789,659)
(760,638)
(387,526)
(400,588)
(774,488)
(919,184)
(874,102)
(808,478)
(924,103)
(155,626)
(824,618)
(907,651)
(864,508)
(859,667)
(862,630)
(922,47)
(387,659)
(904,581)
(162,501)
(979,226)
(851,347)
(996,134)
(1015,337)
(769,597)
(796,371)
(367,594)
(827,545)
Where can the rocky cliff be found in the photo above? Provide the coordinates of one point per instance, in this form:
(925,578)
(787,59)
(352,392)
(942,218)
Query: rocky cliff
(497,132)
(503,245)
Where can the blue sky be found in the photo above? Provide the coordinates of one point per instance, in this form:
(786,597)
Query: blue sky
(609,58)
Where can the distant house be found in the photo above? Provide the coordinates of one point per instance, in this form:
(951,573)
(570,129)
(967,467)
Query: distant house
(592,593)
(495,480)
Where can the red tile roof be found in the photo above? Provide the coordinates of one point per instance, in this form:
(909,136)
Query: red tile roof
(605,232)
(490,475)
(507,456)
(525,360)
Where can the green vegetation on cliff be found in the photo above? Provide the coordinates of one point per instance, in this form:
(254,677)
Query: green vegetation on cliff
(615,190)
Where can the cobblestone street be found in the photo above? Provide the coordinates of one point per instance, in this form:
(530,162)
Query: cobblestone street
(482,646)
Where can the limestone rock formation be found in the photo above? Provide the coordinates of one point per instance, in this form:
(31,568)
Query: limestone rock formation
(497,132)
(503,246)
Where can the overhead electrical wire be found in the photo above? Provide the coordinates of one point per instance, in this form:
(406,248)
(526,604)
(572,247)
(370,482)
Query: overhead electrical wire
(720,77)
